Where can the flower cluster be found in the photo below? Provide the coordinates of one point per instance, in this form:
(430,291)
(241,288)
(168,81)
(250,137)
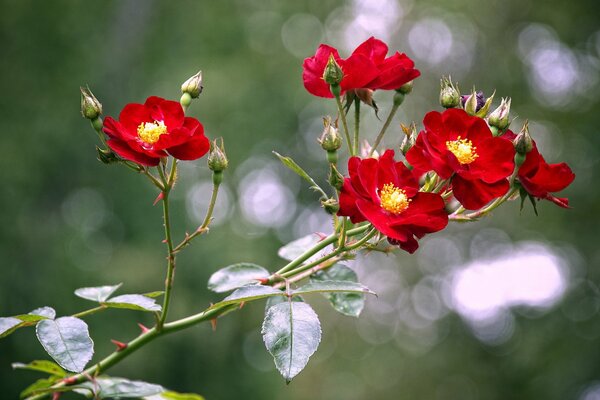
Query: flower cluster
(368,67)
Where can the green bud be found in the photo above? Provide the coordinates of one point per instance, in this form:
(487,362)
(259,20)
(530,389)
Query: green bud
(90,106)
(520,159)
(398,98)
(482,112)
(406,88)
(331,206)
(523,142)
(333,74)
(217,177)
(500,116)
(336,179)
(97,124)
(193,86)
(410,137)
(449,93)
(330,138)
(217,159)
(471,103)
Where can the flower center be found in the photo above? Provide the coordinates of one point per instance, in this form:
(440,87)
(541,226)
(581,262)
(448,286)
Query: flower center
(150,132)
(393,199)
(463,149)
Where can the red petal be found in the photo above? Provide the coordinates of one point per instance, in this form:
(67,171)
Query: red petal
(495,159)
(474,194)
(373,49)
(122,148)
(358,72)
(193,149)
(132,116)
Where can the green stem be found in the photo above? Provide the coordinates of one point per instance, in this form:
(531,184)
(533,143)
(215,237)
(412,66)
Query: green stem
(477,214)
(342,114)
(170,255)
(384,128)
(91,311)
(356,124)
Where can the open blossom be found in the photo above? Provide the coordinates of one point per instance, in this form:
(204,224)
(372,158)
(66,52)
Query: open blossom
(367,67)
(462,148)
(540,179)
(147,132)
(385,193)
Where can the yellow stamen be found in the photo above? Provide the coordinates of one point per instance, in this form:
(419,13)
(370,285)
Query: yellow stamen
(393,199)
(463,149)
(150,132)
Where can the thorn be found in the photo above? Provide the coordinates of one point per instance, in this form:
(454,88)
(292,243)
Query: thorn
(263,281)
(160,196)
(321,235)
(143,328)
(120,345)
(56,395)
(242,304)
(213,323)
(69,380)
(164,241)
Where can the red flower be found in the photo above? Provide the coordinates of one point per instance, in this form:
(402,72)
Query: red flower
(540,179)
(358,71)
(147,132)
(393,71)
(458,146)
(385,193)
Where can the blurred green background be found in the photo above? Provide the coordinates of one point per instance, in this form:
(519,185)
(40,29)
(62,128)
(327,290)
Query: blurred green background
(506,308)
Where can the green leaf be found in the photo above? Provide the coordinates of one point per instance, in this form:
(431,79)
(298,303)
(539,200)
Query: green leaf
(332,286)
(46,312)
(296,248)
(291,164)
(271,301)
(249,293)
(37,386)
(42,366)
(133,302)
(236,275)
(121,388)
(67,341)
(155,294)
(8,325)
(350,304)
(168,395)
(291,332)
(98,293)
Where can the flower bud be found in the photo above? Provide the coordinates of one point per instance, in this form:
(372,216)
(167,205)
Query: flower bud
(398,99)
(333,74)
(330,138)
(523,142)
(336,179)
(330,205)
(473,102)
(365,149)
(406,88)
(193,86)
(410,137)
(366,96)
(90,106)
(483,110)
(499,117)
(217,160)
(449,94)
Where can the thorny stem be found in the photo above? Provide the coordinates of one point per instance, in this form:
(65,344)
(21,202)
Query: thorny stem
(342,114)
(384,128)
(356,124)
(208,314)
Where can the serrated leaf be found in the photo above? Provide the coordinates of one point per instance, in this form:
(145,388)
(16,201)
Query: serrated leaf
(67,341)
(350,304)
(46,312)
(296,248)
(42,366)
(121,388)
(8,325)
(271,301)
(97,293)
(133,302)
(291,164)
(236,275)
(37,386)
(332,286)
(249,293)
(291,332)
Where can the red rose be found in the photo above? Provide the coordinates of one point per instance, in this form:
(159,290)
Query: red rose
(393,71)
(385,193)
(147,132)
(540,178)
(458,146)
(358,71)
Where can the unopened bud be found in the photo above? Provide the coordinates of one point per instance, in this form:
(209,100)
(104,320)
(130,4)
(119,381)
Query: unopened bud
(330,139)
(473,102)
(336,179)
(366,96)
(398,99)
(193,86)
(90,106)
(499,117)
(406,88)
(449,93)
(483,110)
(333,74)
(106,156)
(331,206)
(523,142)
(217,159)
(365,150)
(410,137)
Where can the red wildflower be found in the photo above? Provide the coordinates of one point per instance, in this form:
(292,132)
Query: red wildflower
(385,193)
(458,146)
(540,179)
(393,71)
(146,132)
